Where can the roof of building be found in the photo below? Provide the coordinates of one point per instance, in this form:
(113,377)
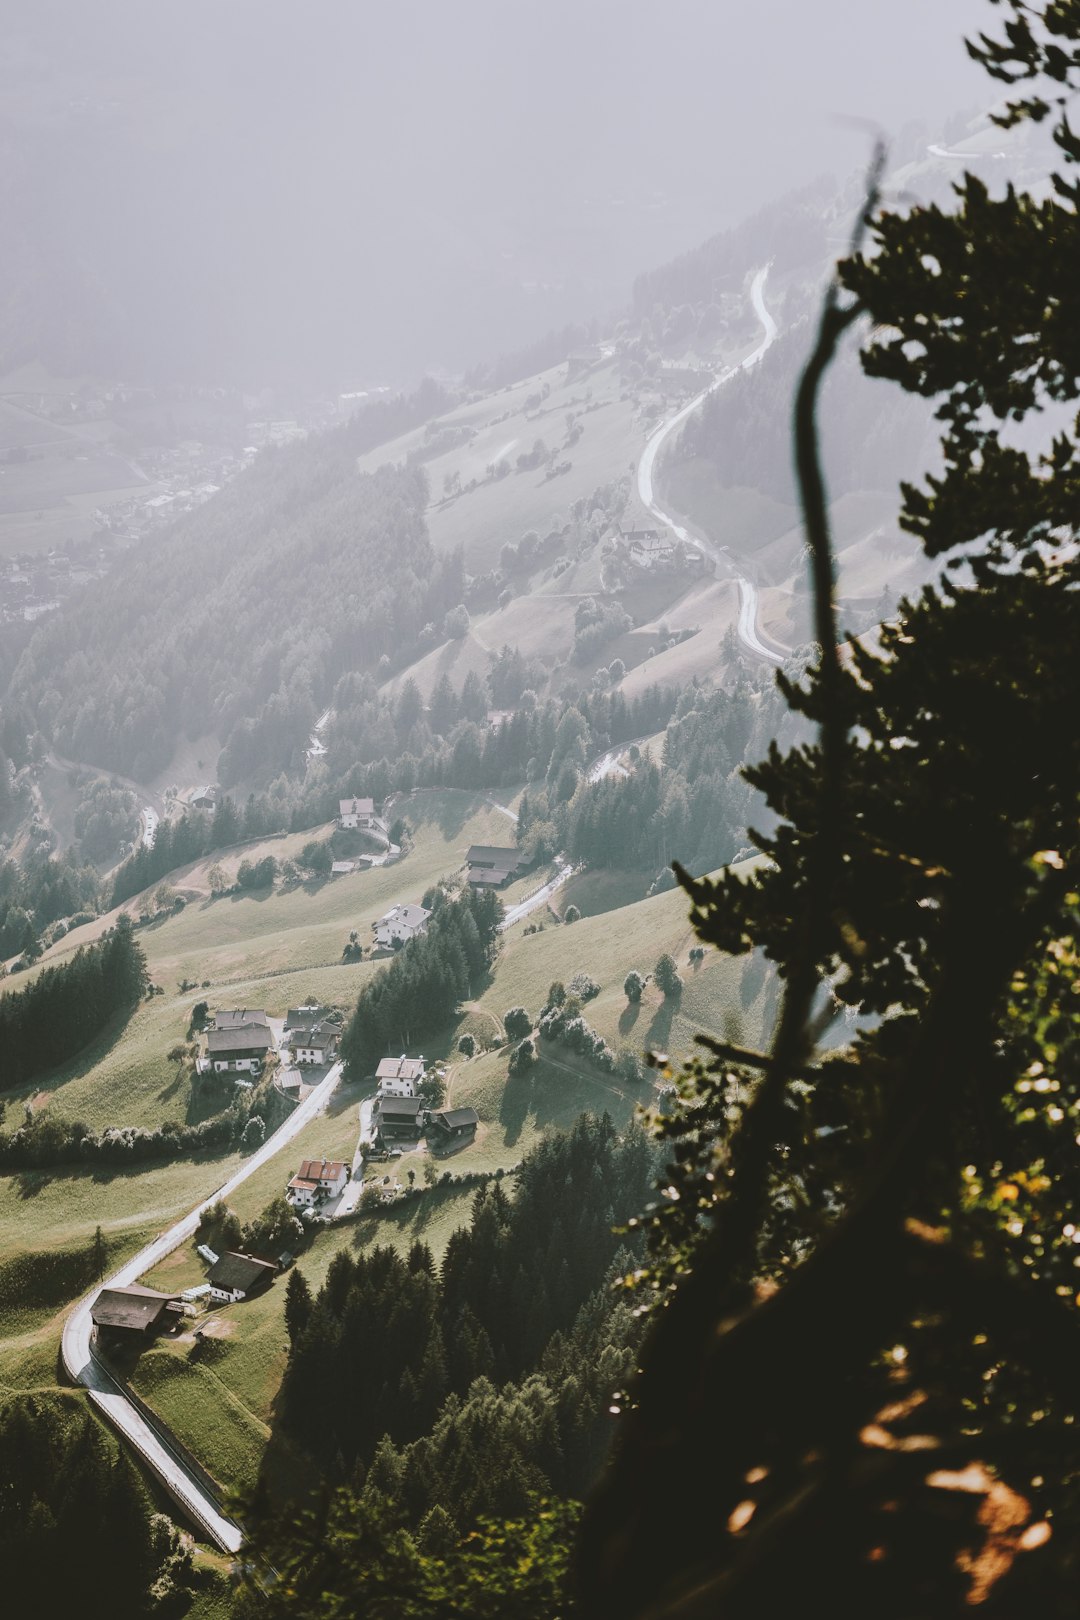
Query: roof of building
(241,1038)
(318,1035)
(339,868)
(131,1307)
(321,1169)
(452,1119)
(407,1107)
(305,1183)
(241,1271)
(493,855)
(495,875)
(307,1016)
(409,916)
(232,1017)
(356,807)
(400,1068)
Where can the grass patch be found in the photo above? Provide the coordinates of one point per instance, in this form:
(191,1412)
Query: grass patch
(204,1415)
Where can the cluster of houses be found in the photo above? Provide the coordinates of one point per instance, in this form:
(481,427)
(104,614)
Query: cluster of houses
(398,1114)
(240,1040)
(32,584)
(132,1316)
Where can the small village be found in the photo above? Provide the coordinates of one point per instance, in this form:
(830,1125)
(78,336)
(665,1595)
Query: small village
(402,1116)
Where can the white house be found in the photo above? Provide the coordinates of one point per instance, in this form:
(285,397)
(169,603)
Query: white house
(236,1276)
(400,1076)
(316,1044)
(400,924)
(238,1047)
(316,1181)
(357,812)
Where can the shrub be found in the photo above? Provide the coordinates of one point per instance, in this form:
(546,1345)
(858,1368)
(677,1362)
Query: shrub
(584,987)
(667,977)
(467,1046)
(571,914)
(517,1022)
(633,985)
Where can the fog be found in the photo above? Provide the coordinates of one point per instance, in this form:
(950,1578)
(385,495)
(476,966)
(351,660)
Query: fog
(251,192)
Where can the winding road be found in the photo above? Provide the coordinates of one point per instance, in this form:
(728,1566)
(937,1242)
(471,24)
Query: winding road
(747,620)
(108,1395)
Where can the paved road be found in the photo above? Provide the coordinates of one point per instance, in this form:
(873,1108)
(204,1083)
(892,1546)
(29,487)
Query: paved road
(316,744)
(747,621)
(107,1395)
(540,898)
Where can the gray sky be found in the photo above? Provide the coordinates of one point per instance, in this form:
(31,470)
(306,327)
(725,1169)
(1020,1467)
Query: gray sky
(253,189)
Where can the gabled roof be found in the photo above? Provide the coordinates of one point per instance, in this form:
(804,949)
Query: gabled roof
(241,1271)
(400,1068)
(132,1307)
(493,855)
(409,916)
(239,1038)
(356,807)
(306,1016)
(320,1035)
(320,1169)
(454,1118)
(232,1017)
(302,1181)
(404,1107)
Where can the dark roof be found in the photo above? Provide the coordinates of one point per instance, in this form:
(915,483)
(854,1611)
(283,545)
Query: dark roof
(304,1017)
(320,1035)
(132,1307)
(493,855)
(239,1038)
(241,1271)
(452,1119)
(406,1107)
(235,1017)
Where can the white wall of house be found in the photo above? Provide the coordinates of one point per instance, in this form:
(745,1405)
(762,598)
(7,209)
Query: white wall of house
(310,1054)
(226,1296)
(396,1088)
(223,1065)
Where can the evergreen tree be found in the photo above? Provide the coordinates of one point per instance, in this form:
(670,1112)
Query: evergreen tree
(867,1349)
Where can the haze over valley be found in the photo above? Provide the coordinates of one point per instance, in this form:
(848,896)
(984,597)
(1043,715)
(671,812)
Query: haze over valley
(480,825)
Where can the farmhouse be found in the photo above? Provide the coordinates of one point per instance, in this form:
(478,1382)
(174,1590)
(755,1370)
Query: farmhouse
(488,866)
(452,1125)
(316,1044)
(134,1312)
(237,1047)
(650,549)
(239,1017)
(341,868)
(396,1116)
(205,798)
(357,813)
(237,1276)
(316,1180)
(400,1076)
(304,1017)
(400,924)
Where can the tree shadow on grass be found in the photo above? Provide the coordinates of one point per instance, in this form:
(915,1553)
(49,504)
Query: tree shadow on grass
(629,1017)
(658,1034)
(517,1102)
